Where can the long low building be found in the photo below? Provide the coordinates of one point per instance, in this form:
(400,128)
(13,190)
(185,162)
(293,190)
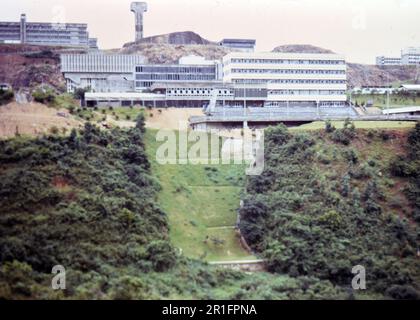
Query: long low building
(100,72)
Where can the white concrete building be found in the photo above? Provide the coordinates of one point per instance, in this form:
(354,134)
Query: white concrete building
(100,72)
(280,79)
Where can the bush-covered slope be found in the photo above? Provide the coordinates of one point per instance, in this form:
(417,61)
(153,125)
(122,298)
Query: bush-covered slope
(88,202)
(328,201)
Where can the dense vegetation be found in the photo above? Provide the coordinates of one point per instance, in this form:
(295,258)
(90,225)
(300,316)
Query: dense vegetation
(330,200)
(88,202)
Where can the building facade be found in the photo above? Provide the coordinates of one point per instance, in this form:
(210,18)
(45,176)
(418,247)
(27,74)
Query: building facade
(189,69)
(100,72)
(388,61)
(279,79)
(41,33)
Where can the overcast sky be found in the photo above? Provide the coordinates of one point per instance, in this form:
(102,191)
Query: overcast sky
(360,29)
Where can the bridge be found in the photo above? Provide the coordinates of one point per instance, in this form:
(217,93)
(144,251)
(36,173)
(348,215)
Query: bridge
(267,116)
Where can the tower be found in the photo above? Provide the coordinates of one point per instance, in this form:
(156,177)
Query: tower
(23,28)
(139,8)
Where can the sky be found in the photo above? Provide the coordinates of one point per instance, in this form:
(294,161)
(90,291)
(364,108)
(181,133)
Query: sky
(359,29)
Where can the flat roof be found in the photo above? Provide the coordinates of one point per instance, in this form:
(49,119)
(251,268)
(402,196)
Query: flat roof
(122,96)
(413,87)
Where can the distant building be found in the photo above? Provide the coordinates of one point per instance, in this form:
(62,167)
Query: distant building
(189,69)
(100,72)
(41,33)
(247,45)
(409,56)
(387,61)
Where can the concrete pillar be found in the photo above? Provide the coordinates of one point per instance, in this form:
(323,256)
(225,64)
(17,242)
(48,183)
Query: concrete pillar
(139,8)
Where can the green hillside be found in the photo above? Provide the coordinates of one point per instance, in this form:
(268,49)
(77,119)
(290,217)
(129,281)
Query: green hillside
(88,202)
(334,199)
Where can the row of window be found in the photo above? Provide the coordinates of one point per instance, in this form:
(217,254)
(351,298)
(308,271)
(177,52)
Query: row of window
(197,92)
(264,81)
(287,61)
(175,69)
(288,71)
(176,77)
(306,92)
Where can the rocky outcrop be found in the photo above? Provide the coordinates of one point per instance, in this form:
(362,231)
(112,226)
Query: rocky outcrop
(170,53)
(27,66)
(176,38)
(301,48)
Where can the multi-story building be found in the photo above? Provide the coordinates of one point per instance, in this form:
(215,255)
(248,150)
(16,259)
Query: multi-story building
(41,33)
(246,45)
(286,79)
(100,72)
(387,61)
(410,56)
(189,69)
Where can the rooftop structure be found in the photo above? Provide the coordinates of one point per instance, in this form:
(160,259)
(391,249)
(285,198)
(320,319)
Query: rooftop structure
(42,33)
(139,8)
(247,45)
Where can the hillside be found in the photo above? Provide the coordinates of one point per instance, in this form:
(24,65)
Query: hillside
(26,66)
(337,198)
(111,235)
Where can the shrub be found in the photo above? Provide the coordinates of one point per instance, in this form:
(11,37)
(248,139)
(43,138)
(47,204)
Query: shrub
(44,96)
(6,96)
(329,127)
(161,254)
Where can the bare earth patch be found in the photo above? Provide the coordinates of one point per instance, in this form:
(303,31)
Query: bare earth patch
(33,119)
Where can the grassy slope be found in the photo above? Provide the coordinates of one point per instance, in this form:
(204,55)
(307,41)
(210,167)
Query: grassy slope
(199,199)
(379,100)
